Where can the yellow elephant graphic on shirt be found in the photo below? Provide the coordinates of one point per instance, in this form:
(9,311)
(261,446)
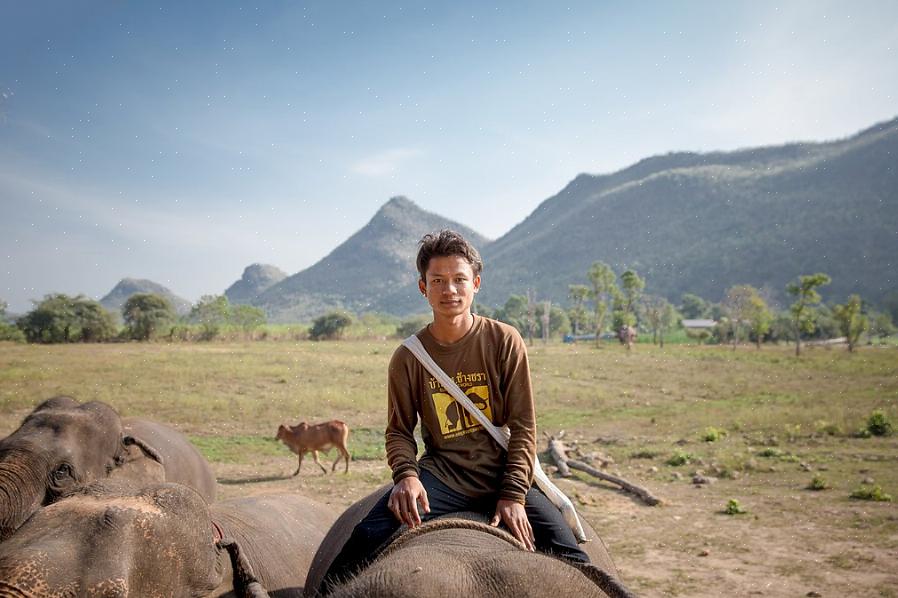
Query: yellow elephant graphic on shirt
(455,419)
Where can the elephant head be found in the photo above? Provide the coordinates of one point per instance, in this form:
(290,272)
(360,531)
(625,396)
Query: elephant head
(59,448)
(113,540)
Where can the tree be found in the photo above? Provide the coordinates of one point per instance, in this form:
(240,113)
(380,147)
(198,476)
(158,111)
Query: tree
(694,307)
(8,332)
(760,319)
(247,318)
(145,314)
(514,312)
(631,288)
(660,314)
(807,297)
(59,318)
(746,310)
(557,320)
(578,293)
(880,325)
(330,326)
(603,292)
(211,312)
(852,323)
(410,326)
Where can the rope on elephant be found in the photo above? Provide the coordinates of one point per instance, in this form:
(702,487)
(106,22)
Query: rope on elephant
(447,524)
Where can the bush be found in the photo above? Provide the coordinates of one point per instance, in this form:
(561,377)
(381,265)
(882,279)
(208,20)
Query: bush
(818,483)
(713,434)
(644,455)
(771,453)
(878,424)
(412,325)
(734,508)
(330,326)
(679,458)
(868,492)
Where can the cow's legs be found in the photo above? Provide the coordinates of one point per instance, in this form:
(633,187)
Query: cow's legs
(301,453)
(344,454)
(315,456)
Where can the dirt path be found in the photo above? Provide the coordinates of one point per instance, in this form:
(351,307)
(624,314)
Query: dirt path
(786,545)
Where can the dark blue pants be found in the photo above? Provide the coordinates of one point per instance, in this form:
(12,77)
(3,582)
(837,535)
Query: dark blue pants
(550,530)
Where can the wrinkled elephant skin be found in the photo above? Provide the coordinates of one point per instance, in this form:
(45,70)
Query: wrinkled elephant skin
(64,445)
(115,540)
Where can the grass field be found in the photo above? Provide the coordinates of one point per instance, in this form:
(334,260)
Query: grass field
(779,422)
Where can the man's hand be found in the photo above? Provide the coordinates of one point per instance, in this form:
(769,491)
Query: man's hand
(514,517)
(404,499)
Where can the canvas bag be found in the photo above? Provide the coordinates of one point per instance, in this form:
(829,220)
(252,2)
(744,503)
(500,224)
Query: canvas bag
(500,435)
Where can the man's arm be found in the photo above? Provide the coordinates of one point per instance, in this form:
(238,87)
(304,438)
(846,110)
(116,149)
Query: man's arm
(402,450)
(521,420)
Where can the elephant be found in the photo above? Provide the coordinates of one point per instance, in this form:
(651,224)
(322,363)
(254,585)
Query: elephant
(444,557)
(117,539)
(64,445)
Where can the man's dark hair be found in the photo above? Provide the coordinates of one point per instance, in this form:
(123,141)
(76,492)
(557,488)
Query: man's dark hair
(444,244)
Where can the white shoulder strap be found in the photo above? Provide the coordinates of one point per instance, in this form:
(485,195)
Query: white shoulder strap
(500,435)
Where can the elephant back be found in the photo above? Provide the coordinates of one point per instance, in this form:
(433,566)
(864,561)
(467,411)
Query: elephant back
(336,538)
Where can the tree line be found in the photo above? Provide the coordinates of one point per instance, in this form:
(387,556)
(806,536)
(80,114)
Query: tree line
(610,302)
(600,308)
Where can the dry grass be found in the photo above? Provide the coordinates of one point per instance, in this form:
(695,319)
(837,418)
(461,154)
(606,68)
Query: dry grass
(786,420)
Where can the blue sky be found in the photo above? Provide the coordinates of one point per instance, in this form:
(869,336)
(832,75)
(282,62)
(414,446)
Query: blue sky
(181,142)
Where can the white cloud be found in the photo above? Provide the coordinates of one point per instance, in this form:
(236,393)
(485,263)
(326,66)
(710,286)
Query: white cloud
(385,163)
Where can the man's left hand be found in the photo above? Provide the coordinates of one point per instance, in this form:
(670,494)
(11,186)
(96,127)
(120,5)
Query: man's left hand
(513,515)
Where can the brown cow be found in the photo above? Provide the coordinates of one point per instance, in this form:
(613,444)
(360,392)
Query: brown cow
(303,438)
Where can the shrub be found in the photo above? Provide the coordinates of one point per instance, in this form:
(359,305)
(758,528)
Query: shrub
(712,434)
(330,326)
(412,325)
(770,453)
(817,483)
(878,424)
(643,454)
(679,458)
(734,508)
(868,492)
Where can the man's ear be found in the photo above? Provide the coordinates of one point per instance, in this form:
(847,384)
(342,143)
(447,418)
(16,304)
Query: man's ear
(477,283)
(422,286)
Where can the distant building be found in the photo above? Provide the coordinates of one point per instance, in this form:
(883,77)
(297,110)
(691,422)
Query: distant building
(699,324)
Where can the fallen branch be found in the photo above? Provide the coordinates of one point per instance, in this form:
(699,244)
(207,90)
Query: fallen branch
(558,454)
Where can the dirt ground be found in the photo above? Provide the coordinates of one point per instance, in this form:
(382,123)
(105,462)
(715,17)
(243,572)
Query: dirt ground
(783,546)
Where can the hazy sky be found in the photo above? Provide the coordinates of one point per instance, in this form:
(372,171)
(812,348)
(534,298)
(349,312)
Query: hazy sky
(182,141)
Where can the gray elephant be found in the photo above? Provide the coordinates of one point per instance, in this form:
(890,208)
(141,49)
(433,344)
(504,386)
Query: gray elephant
(64,445)
(452,557)
(113,539)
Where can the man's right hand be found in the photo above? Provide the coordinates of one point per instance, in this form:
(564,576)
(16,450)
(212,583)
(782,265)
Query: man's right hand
(404,499)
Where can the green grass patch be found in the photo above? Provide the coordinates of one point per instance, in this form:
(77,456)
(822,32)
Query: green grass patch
(871,492)
(734,507)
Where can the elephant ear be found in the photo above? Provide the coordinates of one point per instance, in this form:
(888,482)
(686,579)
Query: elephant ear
(147,450)
(137,462)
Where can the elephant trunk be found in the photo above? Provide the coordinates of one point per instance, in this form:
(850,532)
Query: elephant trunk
(23,478)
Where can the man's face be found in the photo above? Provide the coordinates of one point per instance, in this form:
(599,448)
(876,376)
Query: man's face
(449,285)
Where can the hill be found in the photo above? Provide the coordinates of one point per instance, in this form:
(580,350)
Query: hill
(701,223)
(373,270)
(126,287)
(256,279)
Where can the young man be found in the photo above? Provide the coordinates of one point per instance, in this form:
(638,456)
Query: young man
(462,469)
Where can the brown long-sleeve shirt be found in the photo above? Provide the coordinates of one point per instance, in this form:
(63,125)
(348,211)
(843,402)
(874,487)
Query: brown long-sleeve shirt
(490,365)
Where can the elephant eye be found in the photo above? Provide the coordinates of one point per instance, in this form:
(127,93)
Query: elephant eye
(62,473)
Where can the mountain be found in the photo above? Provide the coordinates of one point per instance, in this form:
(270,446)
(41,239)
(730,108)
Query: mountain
(115,299)
(256,278)
(373,270)
(700,223)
